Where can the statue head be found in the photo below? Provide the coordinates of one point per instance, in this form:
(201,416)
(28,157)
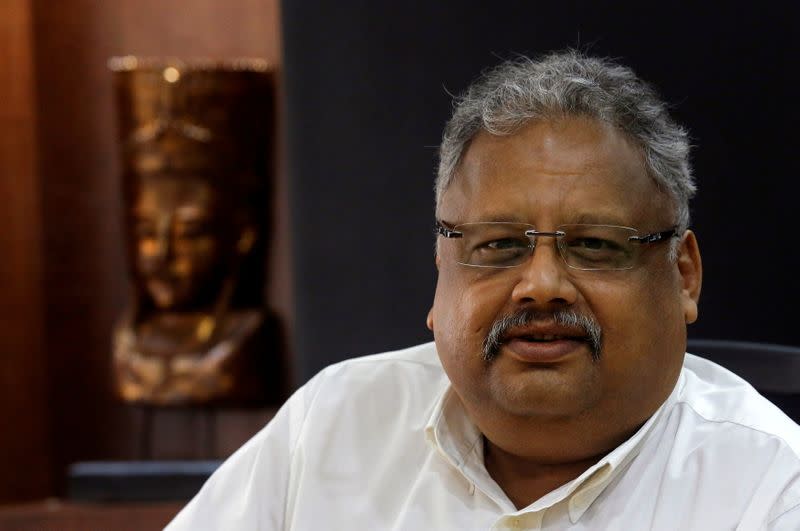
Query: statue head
(183,240)
(196,145)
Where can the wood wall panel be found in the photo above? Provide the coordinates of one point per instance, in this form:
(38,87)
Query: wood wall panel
(54,515)
(84,269)
(24,445)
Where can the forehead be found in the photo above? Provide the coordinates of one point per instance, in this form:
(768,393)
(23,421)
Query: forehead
(169,193)
(565,171)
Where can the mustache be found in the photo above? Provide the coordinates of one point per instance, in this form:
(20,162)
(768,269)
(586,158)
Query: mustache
(588,325)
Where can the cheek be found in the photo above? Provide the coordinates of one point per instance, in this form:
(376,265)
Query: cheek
(661,314)
(147,251)
(464,311)
(194,256)
(147,247)
(643,329)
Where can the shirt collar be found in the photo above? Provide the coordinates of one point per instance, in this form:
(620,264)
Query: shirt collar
(453,435)
(450,431)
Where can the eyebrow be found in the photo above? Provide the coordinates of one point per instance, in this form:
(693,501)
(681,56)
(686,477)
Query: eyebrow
(492,218)
(593,218)
(589,218)
(506,219)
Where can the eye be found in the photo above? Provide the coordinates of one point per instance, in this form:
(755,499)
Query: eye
(500,252)
(145,229)
(191,229)
(505,244)
(593,244)
(593,251)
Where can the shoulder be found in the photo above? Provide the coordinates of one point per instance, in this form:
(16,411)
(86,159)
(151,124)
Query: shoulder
(723,424)
(412,376)
(718,396)
(409,362)
(369,393)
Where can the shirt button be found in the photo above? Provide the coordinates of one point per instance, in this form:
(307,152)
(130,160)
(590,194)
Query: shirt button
(508,523)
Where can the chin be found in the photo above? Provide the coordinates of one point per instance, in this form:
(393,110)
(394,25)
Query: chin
(168,297)
(545,393)
(162,301)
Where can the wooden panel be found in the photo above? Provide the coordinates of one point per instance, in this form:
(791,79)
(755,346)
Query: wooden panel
(24,446)
(54,514)
(85,271)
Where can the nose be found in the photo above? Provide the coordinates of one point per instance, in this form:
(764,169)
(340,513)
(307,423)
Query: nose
(164,245)
(543,279)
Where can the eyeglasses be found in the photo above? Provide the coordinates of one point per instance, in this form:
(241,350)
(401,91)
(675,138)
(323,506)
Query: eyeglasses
(584,247)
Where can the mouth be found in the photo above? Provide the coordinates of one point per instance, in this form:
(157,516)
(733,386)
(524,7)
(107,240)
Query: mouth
(538,337)
(543,346)
(545,338)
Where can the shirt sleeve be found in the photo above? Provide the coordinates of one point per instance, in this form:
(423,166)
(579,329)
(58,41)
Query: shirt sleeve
(249,491)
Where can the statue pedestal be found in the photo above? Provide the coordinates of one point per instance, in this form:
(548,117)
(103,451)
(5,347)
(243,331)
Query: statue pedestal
(137,481)
(178,449)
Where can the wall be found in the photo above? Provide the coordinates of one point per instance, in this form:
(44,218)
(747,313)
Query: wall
(369,89)
(24,435)
(64,281)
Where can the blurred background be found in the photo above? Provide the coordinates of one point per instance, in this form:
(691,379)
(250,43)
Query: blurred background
(363,91)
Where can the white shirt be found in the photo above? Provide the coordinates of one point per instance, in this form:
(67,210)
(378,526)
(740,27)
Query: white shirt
(379,443)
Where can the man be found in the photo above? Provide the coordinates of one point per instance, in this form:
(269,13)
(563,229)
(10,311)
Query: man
(556,394)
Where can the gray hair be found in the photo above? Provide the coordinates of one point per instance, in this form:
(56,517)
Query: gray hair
(569,83)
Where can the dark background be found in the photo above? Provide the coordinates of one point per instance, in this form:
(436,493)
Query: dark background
(367,88)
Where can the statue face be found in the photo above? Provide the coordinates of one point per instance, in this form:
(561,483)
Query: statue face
(177,241)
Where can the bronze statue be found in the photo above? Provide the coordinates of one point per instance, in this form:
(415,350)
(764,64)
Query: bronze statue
(196,143)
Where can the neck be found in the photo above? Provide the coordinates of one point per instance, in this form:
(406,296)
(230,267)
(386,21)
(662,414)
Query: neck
(526,480)
(529,458)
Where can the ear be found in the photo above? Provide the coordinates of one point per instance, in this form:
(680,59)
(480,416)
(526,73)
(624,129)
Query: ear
(690,268)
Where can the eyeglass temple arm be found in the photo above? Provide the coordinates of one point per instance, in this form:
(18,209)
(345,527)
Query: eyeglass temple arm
(447,233)
(655,236)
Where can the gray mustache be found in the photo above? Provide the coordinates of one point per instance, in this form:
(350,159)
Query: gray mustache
(568,318)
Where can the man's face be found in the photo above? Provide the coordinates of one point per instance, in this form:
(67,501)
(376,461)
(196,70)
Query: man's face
(176,240)
(573,170)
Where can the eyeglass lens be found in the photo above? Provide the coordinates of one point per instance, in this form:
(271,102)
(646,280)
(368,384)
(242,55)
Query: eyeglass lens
(586,247)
